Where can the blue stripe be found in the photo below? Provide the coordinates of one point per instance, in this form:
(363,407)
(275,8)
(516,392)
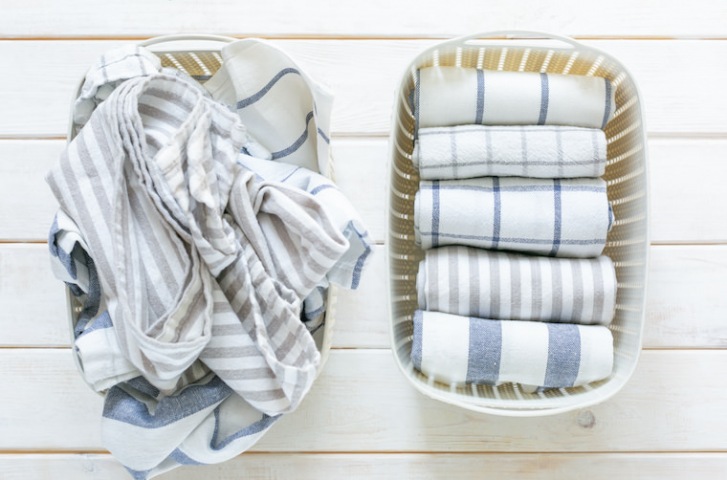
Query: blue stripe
(496,218)
(265,422)
(485,349)
(435,213)
(544,98)
(296,145)
(416,345)
(607,108)
(358,268)
(320,188)
(513,188)
(324,136)
(533,241)
(245,102)
(103,321)
(181,458)
(564,355)
(480,96)
(558,217)
(122,407)
(289,175)
(611,217)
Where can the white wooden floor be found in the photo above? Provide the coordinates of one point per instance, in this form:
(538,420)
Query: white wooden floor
(362,420)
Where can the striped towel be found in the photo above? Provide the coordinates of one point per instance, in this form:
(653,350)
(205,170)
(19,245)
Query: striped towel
(454,349)
(539,151)
(565,218)
(489,284)
(445,96)
(283,108)
(153,184)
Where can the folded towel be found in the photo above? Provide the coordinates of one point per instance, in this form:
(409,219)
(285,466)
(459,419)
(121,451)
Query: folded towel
(564,218)
(283,109)
(510,286)
(446,96)
(509,151)
(152,182)
(455,349)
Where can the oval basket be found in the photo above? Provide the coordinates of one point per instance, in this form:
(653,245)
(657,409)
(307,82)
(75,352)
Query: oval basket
(627,243)
(198,55)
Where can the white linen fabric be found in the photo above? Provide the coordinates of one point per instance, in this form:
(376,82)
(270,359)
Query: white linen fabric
(510,286)
(538,151)
(455,349)
(555,217)
(445,96)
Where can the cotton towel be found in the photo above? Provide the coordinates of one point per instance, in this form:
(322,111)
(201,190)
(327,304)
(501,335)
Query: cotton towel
(560,217)
(539,151)
(510,286)
(153,184)
(454,349)
(445,96)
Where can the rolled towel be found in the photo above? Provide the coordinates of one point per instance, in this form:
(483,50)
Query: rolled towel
(455,349)
(560,218)
(458,96)
(490,284)
(539,151)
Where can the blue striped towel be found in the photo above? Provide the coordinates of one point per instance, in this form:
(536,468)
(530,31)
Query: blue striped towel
(555,217)
(539,151)
(445,96)
(455,350)
(510,286)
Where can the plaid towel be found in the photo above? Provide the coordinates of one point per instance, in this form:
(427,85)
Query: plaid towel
(564,218)
(284,109)
(489,284)
(446,96)
(468,151)
(454,349)
(168,216)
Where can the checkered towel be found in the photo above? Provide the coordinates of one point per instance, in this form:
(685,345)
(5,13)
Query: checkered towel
(455,350)
(468,151)
(561,217)
(445,96)
(489,284)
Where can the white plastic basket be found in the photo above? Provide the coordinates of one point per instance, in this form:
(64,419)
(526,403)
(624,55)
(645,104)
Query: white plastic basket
(627,244)
(198,55)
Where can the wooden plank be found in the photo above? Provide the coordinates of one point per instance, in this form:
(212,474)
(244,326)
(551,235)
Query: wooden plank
(364,76)
(376,18)
(685,300)
(363,403)
(687,196)
(373,466)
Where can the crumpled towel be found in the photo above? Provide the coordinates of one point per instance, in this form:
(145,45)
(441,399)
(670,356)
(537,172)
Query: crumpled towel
(539,151)
(169,217)
(454,349)
(445,96)
(555,217)
(510,286)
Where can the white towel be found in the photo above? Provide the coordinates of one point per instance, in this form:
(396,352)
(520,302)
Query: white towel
(153,185)
(539,151)
(446,96)
(283,108)
(510,286)
(564,218)
(454,349)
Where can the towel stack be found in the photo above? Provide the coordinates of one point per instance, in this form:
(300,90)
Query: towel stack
(513,217)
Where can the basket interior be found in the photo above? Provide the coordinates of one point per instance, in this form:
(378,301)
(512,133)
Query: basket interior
(627,241)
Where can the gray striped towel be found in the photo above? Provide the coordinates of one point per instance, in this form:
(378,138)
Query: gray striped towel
(283,108)
(510,286)
(445,96)
(555,217)
(169,217)
(454,349)
(539,151)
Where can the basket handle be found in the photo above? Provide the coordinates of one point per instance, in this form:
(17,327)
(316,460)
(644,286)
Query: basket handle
(186,37)
(467,39)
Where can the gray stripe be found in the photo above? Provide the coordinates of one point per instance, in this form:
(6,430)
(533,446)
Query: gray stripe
(427,131)
(488,147)
(598,292)
(556,281)
(559,150)
(524,152)
(231,352)
(453,153)
(607,103)
(578,290)
(485,350)
(596,153)
(494,286)
(564,355)
(432,279)
(480,111)
(474,280)
(416,346)
(454,282)
(516,303)
(544,98)
(244,374)
(536,288)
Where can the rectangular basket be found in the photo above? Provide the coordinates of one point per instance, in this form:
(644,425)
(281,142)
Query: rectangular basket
(198,56)
(627,243)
